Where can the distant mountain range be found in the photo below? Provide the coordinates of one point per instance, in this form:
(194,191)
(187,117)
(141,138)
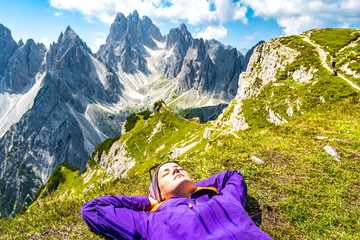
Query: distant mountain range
(58,104)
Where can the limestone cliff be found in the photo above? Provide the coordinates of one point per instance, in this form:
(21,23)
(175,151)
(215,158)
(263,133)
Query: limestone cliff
(279,65)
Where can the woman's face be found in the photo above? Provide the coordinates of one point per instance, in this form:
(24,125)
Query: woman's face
(174,181)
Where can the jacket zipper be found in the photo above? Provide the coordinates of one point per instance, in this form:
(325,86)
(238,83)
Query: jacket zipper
(218,223)
(225,212)
(201,219)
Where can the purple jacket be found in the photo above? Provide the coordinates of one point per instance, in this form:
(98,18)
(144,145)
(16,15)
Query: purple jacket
(206,215)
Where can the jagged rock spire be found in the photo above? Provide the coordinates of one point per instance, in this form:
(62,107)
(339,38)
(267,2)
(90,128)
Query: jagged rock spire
(7,47)
(130,35)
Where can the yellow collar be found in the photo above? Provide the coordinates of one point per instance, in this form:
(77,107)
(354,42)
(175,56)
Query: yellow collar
(195,190)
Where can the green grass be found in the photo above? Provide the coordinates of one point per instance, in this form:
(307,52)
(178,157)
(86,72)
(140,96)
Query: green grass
(58,177)
(158,104)
(351,56)
(286,91)
(333,39)
(105,145)
(307,57)
(145,114)
(300,192)
(131,121)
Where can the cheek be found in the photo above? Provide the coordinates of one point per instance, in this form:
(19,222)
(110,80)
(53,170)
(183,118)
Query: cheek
(164,186)
(188,176)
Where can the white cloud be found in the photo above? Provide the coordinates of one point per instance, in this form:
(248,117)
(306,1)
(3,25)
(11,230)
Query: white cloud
(345,25)
(211,13)
(98,42)
(251,37)
(296,25)
(46,42)
(192,12)
(212,32)
(227,10)
(296,16)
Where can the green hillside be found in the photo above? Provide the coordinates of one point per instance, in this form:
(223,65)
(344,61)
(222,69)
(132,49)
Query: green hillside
(343,46)
(299,192)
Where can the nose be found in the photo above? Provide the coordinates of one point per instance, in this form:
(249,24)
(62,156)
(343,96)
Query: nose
(175,170)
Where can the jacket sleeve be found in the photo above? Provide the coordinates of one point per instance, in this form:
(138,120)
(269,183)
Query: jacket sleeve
(120,217)
(228,182)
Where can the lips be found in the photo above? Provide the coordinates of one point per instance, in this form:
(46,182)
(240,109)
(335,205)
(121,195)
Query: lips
(179,175)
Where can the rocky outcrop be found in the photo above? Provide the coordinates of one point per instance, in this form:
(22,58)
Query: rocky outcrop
(140,56)
(116,161)
(178,41)
(229,63)
(23,66)
(7,48)
(331,151)
(65,122)
(249,54)
(266,61)
(198,70)
(125,46)
(269,63)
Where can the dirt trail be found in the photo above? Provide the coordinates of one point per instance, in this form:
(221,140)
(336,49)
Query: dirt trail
(323,56)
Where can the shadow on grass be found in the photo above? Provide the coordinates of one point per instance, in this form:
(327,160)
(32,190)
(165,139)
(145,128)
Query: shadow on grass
(252,208)
(102,236)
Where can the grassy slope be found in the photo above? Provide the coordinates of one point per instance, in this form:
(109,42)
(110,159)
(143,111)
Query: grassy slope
(284,92)
(333,40)
(299,192)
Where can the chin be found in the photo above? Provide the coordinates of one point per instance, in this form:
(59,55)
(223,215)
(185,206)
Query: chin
(185,184)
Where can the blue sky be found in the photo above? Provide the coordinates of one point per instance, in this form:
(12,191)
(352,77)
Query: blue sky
(239,23)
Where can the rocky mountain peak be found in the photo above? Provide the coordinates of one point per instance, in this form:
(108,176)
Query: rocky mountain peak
(70,38)
(70,34)
(7,47)
(20,43)
(69,43)
(199,46)
(119,17)
(249,54)
(179,38)
(5,34)
(134,16)
(128,37)
(183,28)
(133,28)
(24,64)
(60,37)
